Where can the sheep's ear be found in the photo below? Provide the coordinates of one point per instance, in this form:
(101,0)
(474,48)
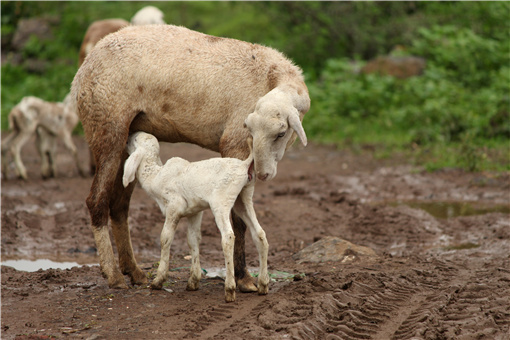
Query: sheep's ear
(131,166)
(296,125)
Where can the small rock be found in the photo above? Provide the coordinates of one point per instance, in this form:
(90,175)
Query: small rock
(333,249)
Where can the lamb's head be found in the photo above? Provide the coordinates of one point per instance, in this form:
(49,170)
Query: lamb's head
(272,126)
(139,145)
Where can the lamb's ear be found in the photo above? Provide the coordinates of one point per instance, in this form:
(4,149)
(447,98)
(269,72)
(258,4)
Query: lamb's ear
(296,125)
(131,166)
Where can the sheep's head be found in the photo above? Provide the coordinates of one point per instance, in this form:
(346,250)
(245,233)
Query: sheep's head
(272,126)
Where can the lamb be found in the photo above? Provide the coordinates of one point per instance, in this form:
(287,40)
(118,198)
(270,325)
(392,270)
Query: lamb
(149,15)
(181,86)
(49,121)
(184,189)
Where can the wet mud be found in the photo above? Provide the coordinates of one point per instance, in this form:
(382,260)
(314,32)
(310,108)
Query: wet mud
(441,270)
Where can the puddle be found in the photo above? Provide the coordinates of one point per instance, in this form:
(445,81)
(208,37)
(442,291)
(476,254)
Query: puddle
(33,266)
(274,275)
(455,209)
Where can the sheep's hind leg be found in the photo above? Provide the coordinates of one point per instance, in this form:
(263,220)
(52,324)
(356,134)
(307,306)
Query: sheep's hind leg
(245,281)
(119,207)
(194,237)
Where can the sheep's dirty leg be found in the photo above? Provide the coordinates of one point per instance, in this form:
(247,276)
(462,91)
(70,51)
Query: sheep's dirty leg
(244,207)
(227,243)
(119,208)
(97,202)
(244,280)
(194,238)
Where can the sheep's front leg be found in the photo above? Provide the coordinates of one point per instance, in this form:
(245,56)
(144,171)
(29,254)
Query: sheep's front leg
(167,236)
(227,242)
(244,208)
(194,238)
(47,147)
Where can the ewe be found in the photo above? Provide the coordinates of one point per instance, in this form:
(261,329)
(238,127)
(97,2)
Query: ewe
(184,189)
(181,86)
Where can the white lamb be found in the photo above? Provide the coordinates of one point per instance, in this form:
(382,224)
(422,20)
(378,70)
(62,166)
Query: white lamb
(49,121)
(184,189)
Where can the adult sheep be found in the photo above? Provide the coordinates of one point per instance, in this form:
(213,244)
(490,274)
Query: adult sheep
(181,86)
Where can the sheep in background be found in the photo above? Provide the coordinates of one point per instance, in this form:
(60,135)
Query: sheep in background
(96,31)
(50,121)
(181,86)
(149,15)
(184,189)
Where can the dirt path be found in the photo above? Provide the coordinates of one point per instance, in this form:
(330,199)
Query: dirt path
(440,273)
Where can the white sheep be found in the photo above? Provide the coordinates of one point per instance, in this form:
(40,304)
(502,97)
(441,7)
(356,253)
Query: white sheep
(49,120)
(97,31)
(184,189)
(181,86)
(149,15)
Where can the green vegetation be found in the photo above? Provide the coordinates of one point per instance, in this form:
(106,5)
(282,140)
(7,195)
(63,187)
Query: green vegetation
(457,114)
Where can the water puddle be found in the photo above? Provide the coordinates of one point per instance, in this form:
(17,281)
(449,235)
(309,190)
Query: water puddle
(447,210)
(44,264)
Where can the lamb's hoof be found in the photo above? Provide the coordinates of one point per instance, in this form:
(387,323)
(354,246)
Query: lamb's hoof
(230,296)
(246,285)
(263,289)
(192,286)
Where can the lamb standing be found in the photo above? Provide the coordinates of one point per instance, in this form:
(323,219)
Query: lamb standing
(49,121)
(184,189)
(181,86)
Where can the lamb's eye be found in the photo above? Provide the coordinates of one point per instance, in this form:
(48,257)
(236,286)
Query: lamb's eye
(281,134)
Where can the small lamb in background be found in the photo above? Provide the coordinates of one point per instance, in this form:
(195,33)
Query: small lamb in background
(49,121)
(184,189)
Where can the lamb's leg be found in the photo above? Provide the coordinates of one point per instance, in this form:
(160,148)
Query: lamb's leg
(16,145)
(194,237)
(6,145)
(244,207)
(244,280)
(119,208)
(227,243)
(167,237)
(47,147)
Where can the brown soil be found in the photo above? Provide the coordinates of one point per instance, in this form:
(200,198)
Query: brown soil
(434,278)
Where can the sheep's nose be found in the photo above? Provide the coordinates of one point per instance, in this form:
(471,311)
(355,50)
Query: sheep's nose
(263,177)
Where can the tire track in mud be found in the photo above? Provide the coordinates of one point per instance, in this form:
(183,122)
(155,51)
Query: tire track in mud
(444,300)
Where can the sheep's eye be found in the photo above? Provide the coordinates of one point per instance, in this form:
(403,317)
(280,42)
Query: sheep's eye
(281,134)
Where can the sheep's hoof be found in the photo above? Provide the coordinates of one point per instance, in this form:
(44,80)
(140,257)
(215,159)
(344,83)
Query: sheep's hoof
(138,277)
(118,283)
(246,285)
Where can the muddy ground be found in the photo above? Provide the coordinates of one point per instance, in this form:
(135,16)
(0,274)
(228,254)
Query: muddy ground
(439,274)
